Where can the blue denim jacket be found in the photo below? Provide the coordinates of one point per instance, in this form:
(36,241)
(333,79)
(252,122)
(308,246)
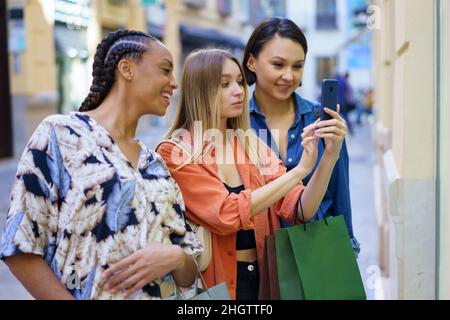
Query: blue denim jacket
(336,200)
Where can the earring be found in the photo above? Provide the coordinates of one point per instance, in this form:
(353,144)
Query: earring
(130,76)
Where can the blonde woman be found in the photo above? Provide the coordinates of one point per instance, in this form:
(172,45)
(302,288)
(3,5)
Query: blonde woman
(232,183)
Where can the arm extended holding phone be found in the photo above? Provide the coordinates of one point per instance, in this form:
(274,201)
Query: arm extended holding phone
(331,129)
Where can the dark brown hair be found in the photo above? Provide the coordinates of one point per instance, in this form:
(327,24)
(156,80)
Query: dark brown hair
(266,31)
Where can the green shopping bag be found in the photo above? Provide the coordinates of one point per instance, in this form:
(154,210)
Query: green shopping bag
(316,261)
(288,276)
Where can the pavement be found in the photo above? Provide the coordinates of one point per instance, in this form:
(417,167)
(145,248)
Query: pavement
(361,152)
(362,159)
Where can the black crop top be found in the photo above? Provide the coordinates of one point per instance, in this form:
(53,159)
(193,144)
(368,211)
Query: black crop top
(245,239)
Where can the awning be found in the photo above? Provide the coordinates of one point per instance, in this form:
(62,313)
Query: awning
(199,37)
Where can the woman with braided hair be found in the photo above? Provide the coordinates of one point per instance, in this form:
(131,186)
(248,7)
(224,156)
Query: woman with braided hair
(95,214)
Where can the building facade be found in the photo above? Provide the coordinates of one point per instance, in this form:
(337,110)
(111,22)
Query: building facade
(52,44)
(335,42)
(6,148)
(187,25)
(32,66)
(411,175)
(443,149)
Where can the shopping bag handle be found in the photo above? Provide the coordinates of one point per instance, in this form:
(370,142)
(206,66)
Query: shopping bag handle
(202,280)
(303,215)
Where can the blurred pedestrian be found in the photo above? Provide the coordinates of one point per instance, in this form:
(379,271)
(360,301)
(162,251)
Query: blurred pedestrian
(90,197)
(345,98)
(274,59)
(366,106)
(350,99)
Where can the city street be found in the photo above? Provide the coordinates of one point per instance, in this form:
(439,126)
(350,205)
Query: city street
(361,183)
(361,152)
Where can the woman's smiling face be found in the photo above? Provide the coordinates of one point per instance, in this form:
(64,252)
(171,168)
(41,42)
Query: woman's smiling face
(278,67)
(153,80)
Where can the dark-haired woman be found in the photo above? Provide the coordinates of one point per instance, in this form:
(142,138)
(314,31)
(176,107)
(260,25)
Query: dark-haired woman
(273,61)
(94,213)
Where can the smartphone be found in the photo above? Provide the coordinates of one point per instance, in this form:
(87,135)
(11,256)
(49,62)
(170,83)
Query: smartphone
(329,97)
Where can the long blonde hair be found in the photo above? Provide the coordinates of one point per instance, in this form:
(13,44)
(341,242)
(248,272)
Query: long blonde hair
(199,100)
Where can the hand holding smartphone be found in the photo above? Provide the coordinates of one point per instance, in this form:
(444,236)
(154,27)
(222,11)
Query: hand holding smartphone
(329,97)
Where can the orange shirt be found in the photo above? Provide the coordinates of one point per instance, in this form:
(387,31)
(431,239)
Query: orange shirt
(209,204)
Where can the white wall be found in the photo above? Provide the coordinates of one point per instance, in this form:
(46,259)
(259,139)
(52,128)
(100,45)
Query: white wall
(324,43)
(320,43)
(444,156)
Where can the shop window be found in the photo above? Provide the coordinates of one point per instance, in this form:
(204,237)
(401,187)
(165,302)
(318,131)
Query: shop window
(244,11)
(118,3)
(326,15)
(224,7)
(195,4)
(324,68)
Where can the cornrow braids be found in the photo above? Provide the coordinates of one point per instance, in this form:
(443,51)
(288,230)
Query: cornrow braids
(120,44)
